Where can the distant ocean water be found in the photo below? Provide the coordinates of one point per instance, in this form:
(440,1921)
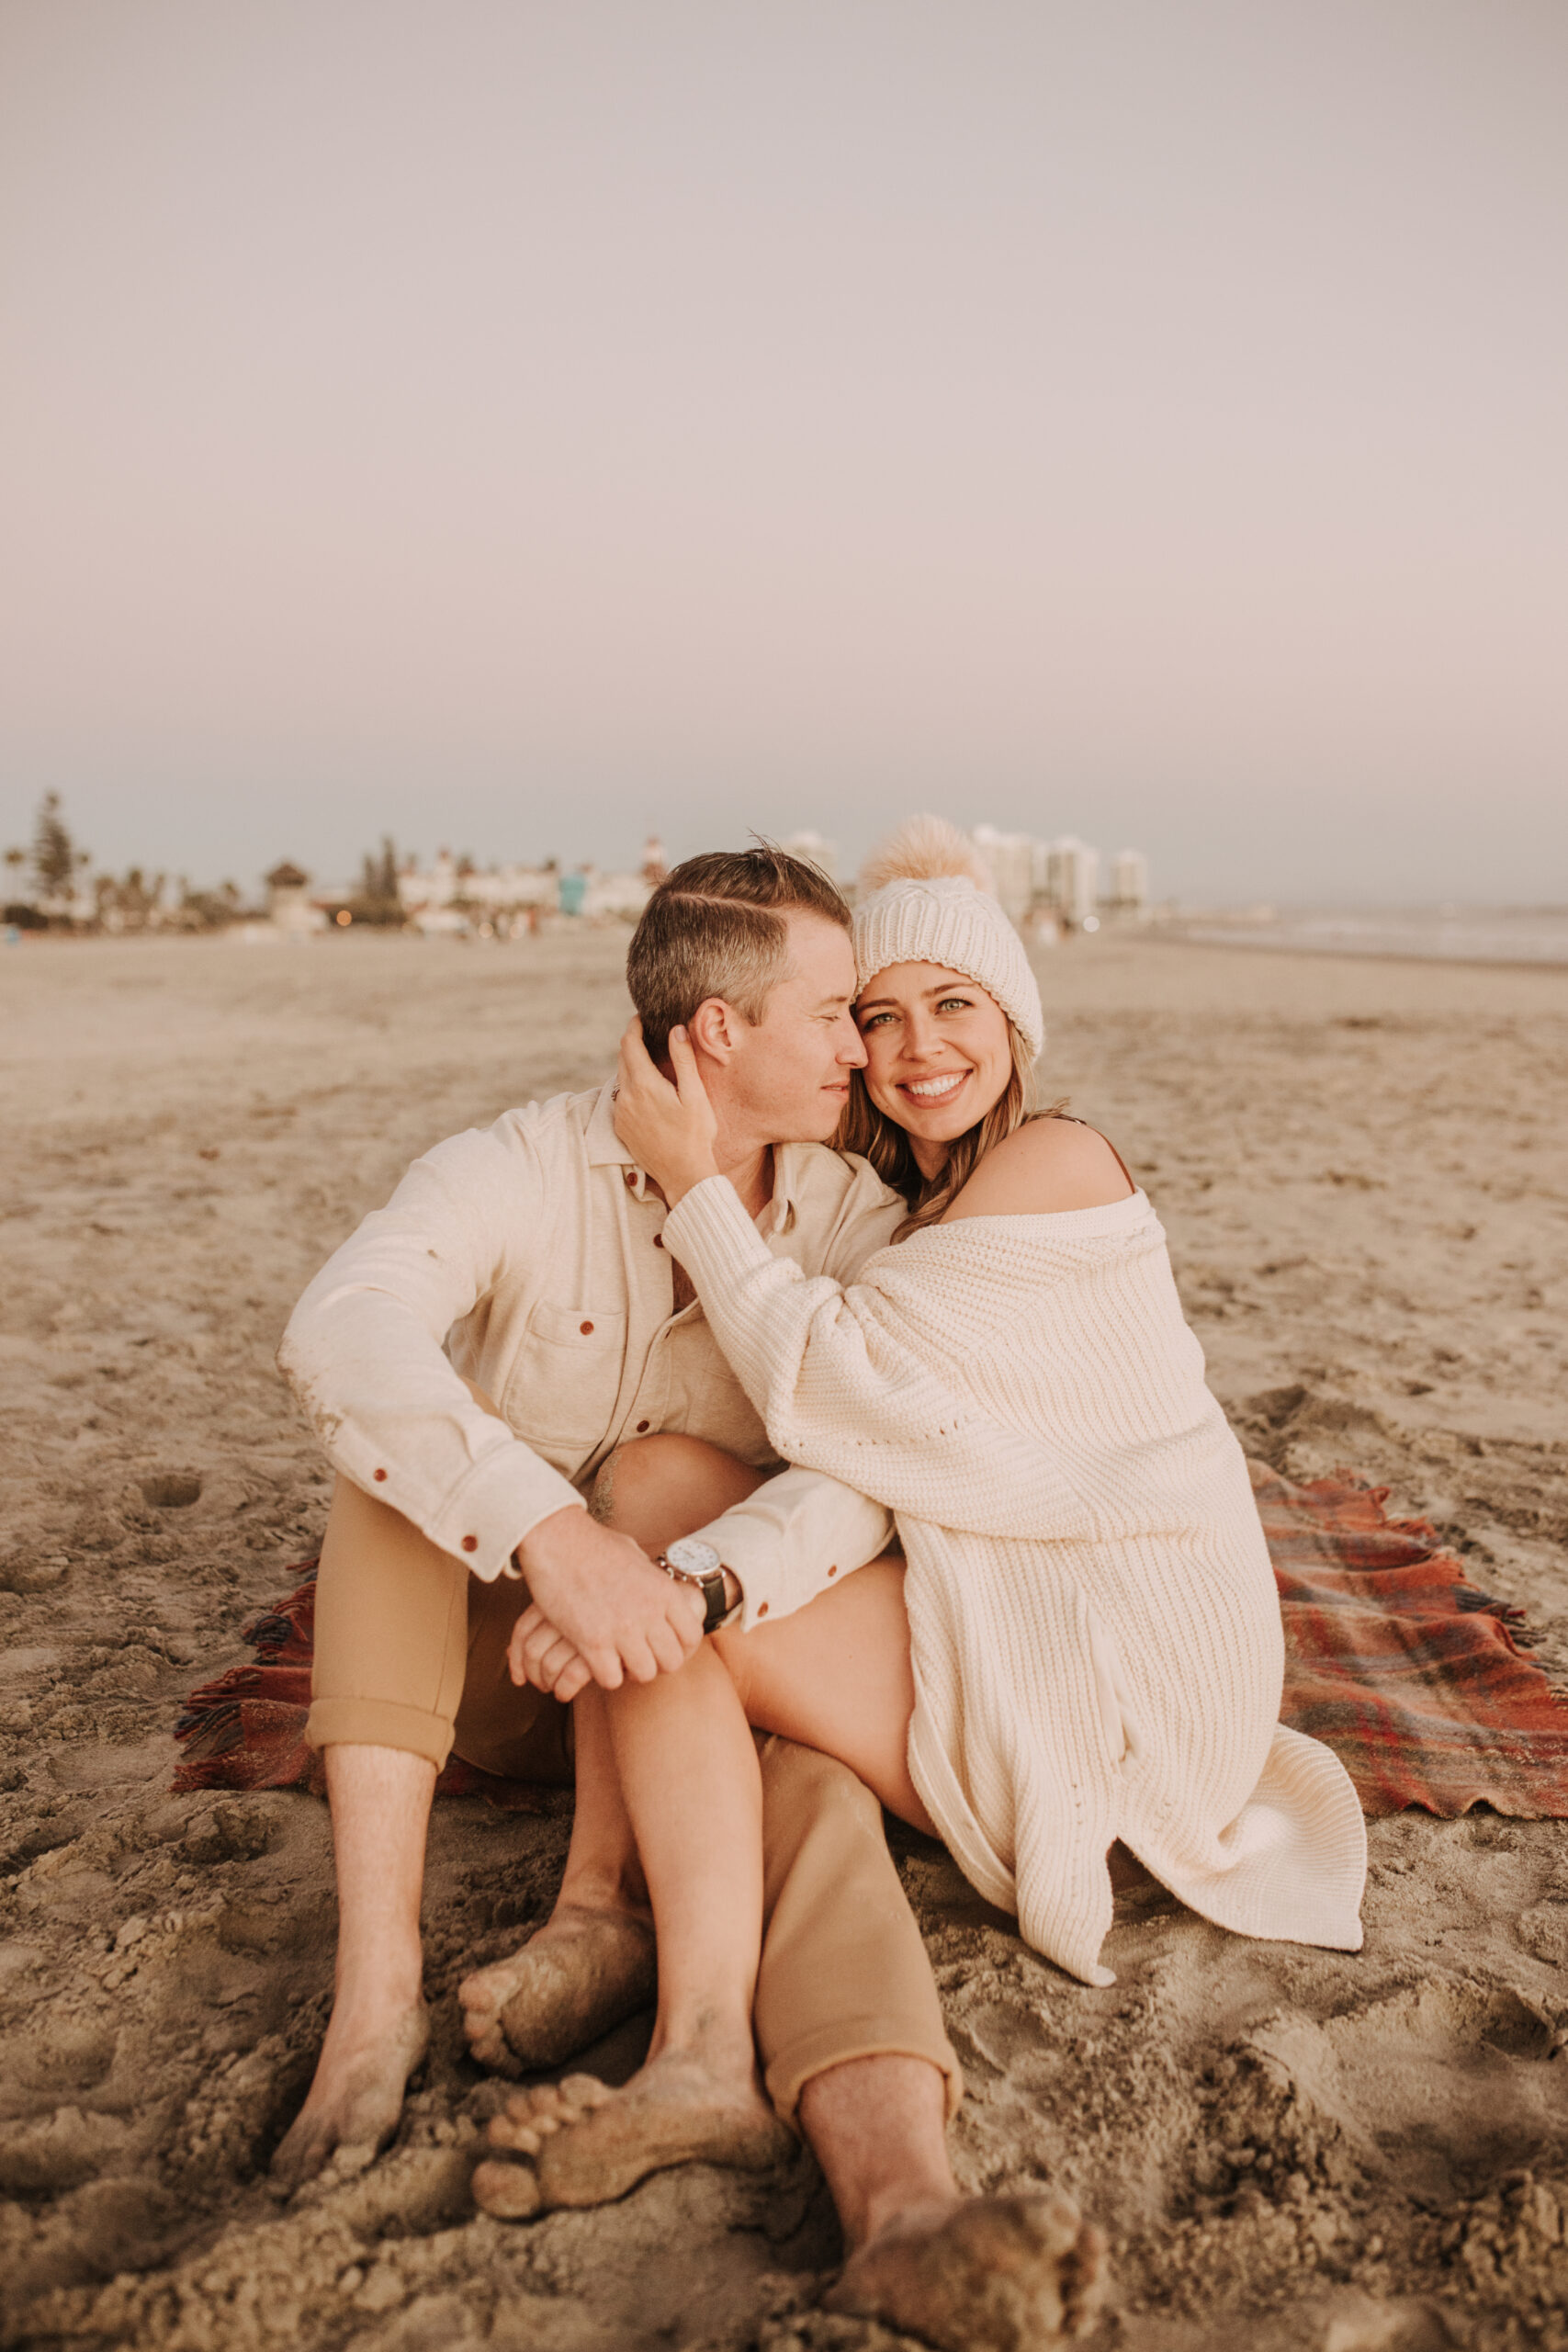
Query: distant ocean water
(1458,935)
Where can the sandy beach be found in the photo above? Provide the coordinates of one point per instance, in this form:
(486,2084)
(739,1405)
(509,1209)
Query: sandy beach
(1363,1168)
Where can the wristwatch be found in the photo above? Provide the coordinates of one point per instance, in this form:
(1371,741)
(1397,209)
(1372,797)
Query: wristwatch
(692,1561)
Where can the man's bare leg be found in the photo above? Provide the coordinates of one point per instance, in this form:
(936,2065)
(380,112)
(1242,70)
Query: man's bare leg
(380,1808)
(592,1964)
(991,2274)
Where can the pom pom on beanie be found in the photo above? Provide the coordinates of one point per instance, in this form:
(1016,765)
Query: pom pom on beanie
(928,899)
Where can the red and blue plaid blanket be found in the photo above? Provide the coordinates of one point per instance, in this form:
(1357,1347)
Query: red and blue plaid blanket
(1419,1681)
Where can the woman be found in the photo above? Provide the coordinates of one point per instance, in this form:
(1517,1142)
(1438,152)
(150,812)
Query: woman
(1085,1643)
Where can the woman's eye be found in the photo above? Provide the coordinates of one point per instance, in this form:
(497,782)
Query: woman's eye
(954,1004)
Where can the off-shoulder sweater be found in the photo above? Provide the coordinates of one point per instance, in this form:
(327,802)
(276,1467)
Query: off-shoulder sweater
(1095,1631)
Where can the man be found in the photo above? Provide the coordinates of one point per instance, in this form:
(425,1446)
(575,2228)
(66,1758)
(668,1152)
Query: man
(525,1266)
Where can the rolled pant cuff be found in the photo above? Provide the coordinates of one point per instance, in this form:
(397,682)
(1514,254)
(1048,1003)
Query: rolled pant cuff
(835,2045)
(379,1723)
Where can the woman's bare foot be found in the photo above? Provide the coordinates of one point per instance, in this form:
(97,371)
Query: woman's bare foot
(589,2145)
(997,2274)
(584,1972)
(354,2103)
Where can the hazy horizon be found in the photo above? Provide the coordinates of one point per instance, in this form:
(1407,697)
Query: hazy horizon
(522,427)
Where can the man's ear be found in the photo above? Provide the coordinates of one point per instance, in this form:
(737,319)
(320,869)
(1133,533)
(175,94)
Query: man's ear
(714,1028)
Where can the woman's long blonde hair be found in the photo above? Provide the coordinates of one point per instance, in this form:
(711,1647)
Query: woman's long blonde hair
(880,1139)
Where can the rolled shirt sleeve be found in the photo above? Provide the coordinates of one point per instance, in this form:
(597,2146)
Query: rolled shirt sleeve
(364,1354)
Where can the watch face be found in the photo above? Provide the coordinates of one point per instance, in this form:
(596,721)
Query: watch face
(689,1552)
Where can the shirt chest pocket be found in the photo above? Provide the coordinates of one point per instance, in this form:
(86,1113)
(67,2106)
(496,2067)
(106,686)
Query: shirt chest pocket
(562,1390)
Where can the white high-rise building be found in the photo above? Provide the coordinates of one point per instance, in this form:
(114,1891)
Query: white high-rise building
(1010,857)
(1130,883)
(1072,878)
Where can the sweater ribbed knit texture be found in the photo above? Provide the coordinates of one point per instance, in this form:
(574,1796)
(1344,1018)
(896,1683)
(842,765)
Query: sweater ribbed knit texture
(946,919)
(1095,1631)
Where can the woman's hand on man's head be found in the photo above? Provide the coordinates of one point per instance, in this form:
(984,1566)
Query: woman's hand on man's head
(669,1129)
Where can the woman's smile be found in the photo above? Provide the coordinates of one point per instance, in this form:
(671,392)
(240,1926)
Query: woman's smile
(939,1088)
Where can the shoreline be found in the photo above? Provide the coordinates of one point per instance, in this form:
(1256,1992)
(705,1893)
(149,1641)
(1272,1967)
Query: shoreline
(1359,954)
(1153,933)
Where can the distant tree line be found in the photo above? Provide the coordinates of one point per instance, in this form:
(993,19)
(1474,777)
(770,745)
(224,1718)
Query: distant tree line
(63,897)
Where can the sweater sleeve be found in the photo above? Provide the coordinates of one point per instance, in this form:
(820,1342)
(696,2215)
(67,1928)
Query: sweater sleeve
(362,1352)
(844,1385)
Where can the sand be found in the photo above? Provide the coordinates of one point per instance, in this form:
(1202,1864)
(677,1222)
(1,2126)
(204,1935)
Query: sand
(1364,1170)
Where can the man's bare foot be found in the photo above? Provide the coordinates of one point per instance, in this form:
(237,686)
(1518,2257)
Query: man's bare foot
(353,2106)
(584,1972)
(998,2274)
(589,2145)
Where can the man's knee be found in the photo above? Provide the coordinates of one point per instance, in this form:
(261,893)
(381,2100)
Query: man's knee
(803,1789)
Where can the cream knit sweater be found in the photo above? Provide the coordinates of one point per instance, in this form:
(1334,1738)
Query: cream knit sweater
(1097,1641)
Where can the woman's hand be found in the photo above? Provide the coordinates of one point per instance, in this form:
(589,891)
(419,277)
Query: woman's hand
(538,1653)
(667,1129)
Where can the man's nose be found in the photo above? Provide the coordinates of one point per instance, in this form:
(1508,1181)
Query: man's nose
(851,1046)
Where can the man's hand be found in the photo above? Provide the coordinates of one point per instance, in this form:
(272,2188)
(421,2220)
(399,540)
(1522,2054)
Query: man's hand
(601,1594)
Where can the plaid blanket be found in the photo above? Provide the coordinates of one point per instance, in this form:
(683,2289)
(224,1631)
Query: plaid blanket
(1415,1679)
(246,1730)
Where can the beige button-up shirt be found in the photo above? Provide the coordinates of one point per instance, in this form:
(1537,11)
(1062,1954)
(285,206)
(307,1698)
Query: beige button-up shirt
(529,1258)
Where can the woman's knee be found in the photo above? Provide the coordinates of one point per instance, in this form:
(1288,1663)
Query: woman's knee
(656,1488)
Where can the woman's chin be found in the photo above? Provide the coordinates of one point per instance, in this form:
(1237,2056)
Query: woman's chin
(931,1127)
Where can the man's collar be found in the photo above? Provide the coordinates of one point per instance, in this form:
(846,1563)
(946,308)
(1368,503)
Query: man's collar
(605,1149)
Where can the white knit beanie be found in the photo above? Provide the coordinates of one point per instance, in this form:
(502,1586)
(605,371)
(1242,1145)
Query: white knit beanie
(931,902)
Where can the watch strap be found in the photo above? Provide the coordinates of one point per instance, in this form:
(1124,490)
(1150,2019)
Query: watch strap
(716,1607)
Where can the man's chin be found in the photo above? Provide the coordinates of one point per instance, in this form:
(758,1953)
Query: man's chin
(821,1129)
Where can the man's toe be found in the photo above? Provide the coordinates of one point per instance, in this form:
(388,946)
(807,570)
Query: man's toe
(506,2132)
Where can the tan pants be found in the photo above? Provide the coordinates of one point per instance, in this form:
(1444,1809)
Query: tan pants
(410,1654)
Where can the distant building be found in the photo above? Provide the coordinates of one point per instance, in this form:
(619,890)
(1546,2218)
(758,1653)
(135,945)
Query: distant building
(1129,898)
(1011,858)
(1072,871)
(622,895)
(288,907)
(655,864)
(456,898)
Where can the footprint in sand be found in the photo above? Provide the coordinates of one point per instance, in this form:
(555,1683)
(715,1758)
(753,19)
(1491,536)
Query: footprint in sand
(1442,2083)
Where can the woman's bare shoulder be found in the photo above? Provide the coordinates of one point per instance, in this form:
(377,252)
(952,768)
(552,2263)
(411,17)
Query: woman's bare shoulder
(1042,1169)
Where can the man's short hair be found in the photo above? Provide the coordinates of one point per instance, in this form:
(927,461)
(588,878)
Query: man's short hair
(715,926)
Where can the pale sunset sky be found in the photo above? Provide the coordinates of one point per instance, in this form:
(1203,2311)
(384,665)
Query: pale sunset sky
(519,425)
